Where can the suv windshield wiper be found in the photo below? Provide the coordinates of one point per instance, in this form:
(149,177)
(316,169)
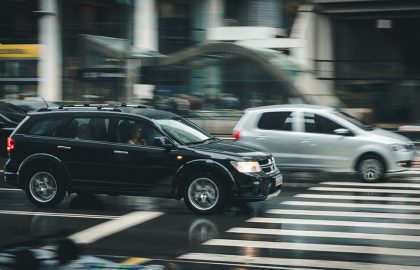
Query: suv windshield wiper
(203,141)
(209,140)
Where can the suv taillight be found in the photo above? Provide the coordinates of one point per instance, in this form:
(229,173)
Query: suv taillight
(236,135)
(10,144)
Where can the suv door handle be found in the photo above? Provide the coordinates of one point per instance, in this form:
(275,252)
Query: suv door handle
(64,147)
(262,137)
(120,152)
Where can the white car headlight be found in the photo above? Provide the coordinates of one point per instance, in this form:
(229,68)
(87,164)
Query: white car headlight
(246,166)
(397,147)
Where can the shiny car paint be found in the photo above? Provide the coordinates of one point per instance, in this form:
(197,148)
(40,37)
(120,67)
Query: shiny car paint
(297,149)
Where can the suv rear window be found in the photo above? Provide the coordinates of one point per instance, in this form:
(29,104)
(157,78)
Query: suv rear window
(276,121)
(46,127)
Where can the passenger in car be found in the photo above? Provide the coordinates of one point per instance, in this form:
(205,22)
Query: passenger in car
(83,132)
(135,135)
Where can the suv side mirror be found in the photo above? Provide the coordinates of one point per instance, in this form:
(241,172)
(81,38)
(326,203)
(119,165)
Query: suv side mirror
(162,142)
(342,131)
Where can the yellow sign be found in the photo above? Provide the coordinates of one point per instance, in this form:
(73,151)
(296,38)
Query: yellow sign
(19,51)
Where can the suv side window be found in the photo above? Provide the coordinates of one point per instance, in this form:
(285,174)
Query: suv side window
(46,127)
(315,123)
(276,121)
(136,132)
(87,128)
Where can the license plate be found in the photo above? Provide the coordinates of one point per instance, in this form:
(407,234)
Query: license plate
(279,180)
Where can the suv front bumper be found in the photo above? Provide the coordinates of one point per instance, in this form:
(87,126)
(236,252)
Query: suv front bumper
(262,189)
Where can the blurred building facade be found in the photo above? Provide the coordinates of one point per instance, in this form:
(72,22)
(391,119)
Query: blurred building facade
(94,49)
(367,51)
(171,52)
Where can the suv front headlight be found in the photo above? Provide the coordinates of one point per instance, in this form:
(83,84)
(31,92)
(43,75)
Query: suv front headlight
(246,166)
(398,147)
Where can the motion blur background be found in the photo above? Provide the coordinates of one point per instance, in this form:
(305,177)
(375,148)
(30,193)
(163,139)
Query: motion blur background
(213,58)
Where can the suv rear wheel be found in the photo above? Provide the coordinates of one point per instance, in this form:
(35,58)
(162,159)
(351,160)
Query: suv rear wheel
(43,187)
(371,169)
(204,194)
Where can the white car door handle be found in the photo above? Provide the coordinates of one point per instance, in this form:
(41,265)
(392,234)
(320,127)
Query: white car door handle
(120,152)
(262,137)
(305,140)
(64,147)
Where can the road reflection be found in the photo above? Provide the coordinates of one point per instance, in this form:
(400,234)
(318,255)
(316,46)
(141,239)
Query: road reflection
(201,230)
(86,201)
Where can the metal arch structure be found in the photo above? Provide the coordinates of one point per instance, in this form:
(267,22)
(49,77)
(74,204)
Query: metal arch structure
(268,60)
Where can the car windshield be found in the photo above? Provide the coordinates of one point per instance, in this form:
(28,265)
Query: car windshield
(184,131)
(354,121)
(12,112)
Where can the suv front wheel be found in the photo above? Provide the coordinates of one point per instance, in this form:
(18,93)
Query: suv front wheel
(43,187)
(204,194)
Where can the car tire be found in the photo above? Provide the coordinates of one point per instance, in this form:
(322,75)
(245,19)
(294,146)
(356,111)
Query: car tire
(204,194)
(44,188)
(371,169)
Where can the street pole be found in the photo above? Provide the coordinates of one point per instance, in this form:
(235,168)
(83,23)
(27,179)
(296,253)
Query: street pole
(50,60)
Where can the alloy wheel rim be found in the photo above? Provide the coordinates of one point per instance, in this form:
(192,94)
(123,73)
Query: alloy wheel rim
(203,194)
(43,187)
(371,169)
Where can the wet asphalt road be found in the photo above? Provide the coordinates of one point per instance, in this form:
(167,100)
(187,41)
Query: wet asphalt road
(320,221)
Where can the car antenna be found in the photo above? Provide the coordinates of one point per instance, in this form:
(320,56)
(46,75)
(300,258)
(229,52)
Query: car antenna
(44,102)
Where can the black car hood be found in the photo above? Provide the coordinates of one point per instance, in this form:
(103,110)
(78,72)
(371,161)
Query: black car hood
(232,148)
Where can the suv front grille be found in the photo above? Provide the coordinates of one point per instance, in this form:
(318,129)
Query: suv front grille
(268,166)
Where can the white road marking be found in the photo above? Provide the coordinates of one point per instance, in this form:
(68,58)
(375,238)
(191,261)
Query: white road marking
(394,185)
(293,262)
(345,223)
(407,178)
(409,172)
(316,247)
(353,205)
(342,214)
(10,189)
(365,190)
(237,265)
(351,235)
(48,214)
(105,229)
(354,197)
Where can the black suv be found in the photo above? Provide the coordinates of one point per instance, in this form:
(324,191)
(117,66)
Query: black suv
(133,150)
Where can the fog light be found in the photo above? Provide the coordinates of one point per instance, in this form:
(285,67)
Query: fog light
(403,164)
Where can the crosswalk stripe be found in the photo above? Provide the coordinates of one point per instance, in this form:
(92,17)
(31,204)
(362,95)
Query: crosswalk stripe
(342,214)
(355,197)
(293,262)
(365,190)
(394,185)
(105,229)
(352,205)
(328,234)
(316,247)
(322,222)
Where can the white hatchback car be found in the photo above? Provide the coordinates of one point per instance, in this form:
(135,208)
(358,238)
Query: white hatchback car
(318,138)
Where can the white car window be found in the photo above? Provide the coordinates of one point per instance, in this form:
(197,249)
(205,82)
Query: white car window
(276,121)
(315,123)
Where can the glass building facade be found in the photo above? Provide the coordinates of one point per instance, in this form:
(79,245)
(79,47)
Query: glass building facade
(97,39)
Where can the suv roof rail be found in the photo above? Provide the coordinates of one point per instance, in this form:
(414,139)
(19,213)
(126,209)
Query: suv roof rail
(131,105)
(116,108)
